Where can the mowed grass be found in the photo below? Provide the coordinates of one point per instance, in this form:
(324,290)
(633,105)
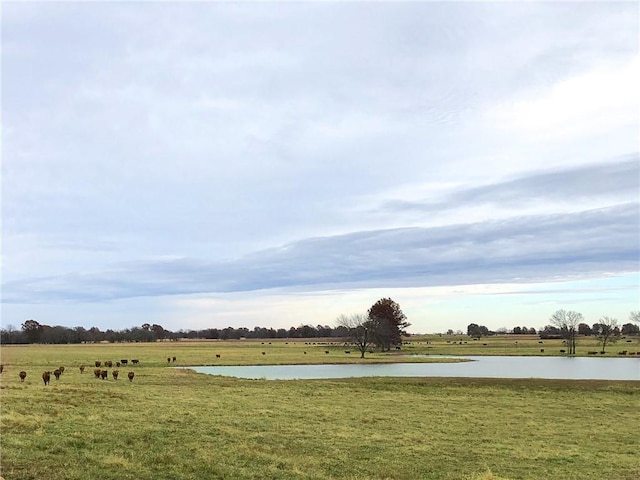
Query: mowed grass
(175,424)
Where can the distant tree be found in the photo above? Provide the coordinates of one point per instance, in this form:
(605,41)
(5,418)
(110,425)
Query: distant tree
(390,321)
(606,331)
(475,330)
(10,334)
(584,329)
(517,330)
(635,316)
(158,331)
(361,330)
(450,332)
(630,329)
(568,323)
(32,331)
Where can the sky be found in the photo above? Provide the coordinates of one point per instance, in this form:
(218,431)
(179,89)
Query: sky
(213,164)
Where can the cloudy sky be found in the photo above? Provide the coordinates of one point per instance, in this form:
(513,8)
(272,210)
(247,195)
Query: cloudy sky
(211,164)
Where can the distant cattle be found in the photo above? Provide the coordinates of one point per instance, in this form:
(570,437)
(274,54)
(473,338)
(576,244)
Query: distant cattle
(562,351)
(168,359)
(104,374)
(1,368)
(131,375)
(264,353)
(56,373)
(542,350)
(115,374)
(217,355)
(108,363)
(46,377)
(118,364)
(97,372)
(98,364)
(61,370)
(135,361)
(347,352)
(81,367)
(174,359)
(124,361)
(592,352)
(22,375)
(326,352)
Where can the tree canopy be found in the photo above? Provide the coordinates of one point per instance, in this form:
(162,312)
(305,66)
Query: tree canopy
(389,323)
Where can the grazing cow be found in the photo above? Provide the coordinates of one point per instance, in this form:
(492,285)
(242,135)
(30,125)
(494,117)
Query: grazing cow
(98,364)
(326,352)
(108,363)
(104,374)
(217,355)
(97,372)
(1,368)
(305,353)
(115,374)
(46,377)
(22,375)
(56,373)
(118,364)
(82,367)
(61,370)
(174,359)
(562,351)
(168,359)
(124,361)
(130,375)
(347,352)
(264,353)
(135,361)
(542,350)
(624,352)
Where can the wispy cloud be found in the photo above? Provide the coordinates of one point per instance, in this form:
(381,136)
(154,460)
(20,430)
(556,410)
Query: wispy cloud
(614,182)
(527,249)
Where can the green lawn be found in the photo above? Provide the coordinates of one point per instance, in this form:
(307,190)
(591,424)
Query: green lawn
(175,424)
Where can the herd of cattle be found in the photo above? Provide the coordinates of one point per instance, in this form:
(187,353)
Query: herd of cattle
(98,372)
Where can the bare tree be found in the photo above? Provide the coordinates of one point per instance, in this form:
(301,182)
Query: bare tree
(361,330)
(635,316)
(606,331)
(568,323)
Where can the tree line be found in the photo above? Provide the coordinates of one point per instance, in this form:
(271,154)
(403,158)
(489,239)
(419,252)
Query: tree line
(32,331)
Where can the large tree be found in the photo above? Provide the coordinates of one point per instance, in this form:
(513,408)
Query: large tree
(390,323)
(568,323)
(361,330)
(32,330)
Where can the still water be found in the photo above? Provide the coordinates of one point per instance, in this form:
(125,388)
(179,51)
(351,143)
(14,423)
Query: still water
(480,366)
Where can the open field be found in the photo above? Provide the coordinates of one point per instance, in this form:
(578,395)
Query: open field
(175,424)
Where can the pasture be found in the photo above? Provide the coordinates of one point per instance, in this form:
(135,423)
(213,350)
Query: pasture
(174,424)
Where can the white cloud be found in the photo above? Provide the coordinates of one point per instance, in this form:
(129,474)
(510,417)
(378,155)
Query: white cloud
(605,98)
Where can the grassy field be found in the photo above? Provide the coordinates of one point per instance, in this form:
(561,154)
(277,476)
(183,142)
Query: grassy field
(175,424)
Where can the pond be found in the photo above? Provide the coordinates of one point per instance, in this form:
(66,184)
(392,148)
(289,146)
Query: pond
(481,367)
